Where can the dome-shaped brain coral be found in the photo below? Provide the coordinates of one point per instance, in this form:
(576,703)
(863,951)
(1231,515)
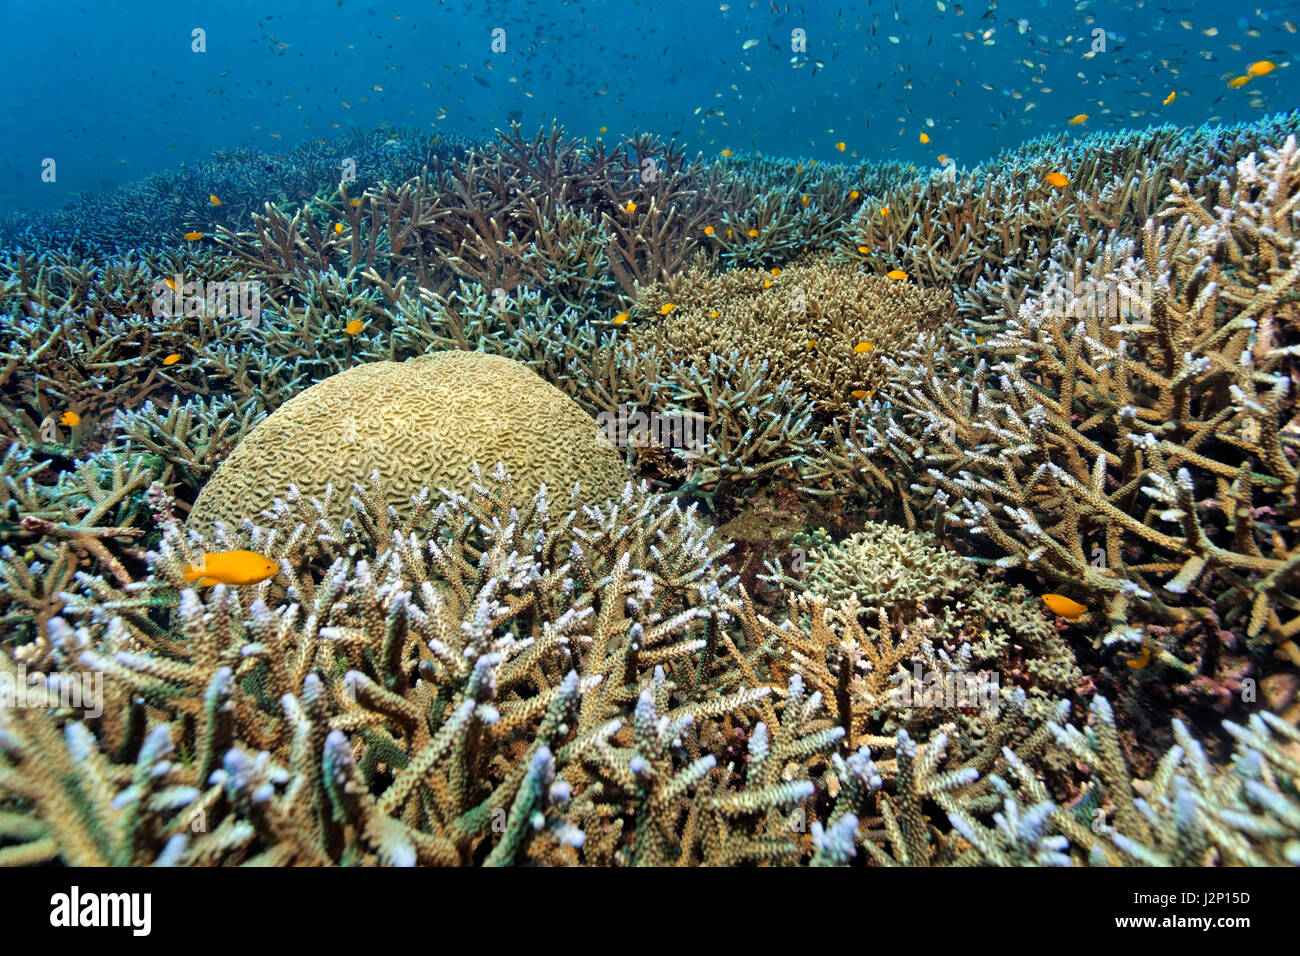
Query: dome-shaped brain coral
(422,422)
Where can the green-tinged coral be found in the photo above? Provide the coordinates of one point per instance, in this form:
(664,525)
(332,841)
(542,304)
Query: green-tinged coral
(887,565)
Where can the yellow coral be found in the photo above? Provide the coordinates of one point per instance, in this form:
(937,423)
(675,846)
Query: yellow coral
(423,422)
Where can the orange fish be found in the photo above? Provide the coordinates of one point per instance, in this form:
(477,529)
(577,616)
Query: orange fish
(896,274)
(354,203)
(860,393)
(630,207)
(708,230)
(853,194)
(1170,98)
(353,327)
(1057,179)
(925,138)
(71,419)
(212,198)
(172,359)
(1238,82)
(753,233)
(193,236)
(231,567)
(862,348)
(1063,606)
(620,318)
(1261,68)
(666,308)
(727,152)
(1141,661)
(841,147)
(1078,118)
(171,284)
(338,228)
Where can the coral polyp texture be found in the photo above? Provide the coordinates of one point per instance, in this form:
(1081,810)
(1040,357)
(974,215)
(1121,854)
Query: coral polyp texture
(429,422)
(984,548)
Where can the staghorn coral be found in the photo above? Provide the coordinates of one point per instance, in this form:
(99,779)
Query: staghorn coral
(174,202)
(426,704)
(425,422)
(990,232)
(1137,452)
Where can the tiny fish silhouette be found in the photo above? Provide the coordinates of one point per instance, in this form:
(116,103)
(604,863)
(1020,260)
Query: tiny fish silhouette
(231,567)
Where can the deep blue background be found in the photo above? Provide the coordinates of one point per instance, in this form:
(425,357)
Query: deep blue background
(112,91)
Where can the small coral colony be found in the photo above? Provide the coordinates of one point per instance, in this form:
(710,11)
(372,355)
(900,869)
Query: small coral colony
(507,504)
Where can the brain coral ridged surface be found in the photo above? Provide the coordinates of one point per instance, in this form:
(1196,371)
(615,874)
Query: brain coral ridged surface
(422,422)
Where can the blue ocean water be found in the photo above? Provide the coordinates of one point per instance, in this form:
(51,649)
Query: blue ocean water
(113,91)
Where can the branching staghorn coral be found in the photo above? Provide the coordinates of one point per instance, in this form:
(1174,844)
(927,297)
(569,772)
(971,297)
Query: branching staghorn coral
(424,703)
(1136,450)
(993,229)
(90,518)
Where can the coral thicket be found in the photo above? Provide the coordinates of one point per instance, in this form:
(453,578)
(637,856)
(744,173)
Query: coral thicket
(815,635)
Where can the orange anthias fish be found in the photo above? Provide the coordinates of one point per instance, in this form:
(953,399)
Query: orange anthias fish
(1063,606)
(231,567)
(1141,661)
(1058,180)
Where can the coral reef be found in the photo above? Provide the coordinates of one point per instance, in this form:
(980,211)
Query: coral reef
(1087,390)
